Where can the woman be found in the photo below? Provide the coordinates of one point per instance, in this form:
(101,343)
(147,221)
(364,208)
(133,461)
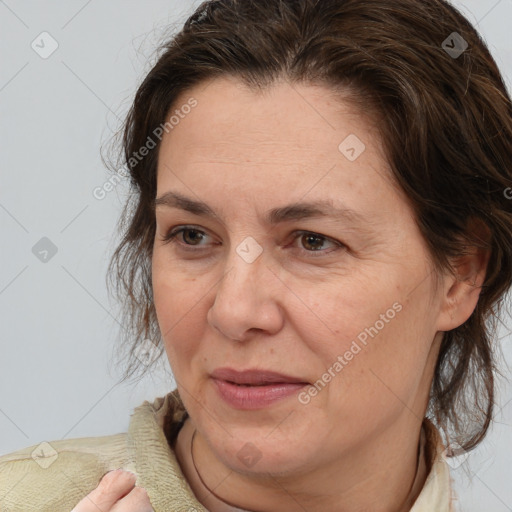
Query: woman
(320,238)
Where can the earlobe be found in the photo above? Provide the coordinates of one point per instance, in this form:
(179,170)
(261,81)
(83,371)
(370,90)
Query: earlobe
(462,290)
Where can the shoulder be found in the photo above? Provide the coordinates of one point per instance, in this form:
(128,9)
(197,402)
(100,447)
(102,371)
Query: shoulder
(54,476)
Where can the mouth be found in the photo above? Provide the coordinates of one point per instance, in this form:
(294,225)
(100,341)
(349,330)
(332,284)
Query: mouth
(254,377)
(254,389)
(249,385)
(255,396)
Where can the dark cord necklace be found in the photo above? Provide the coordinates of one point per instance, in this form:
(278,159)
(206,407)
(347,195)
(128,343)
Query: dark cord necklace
(234,507)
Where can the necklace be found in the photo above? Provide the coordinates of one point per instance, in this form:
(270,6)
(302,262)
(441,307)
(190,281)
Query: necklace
(233,507)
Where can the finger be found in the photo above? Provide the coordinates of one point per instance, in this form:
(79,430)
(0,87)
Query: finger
(112,488)
(136,501)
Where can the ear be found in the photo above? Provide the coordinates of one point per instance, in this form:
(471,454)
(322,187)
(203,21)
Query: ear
(461,291)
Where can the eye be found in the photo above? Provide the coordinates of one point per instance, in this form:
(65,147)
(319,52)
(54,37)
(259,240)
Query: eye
(191,237)
(310,239)
(188,232)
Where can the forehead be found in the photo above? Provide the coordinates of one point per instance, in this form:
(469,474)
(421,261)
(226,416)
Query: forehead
(285,121)
(288,139)
(231,119)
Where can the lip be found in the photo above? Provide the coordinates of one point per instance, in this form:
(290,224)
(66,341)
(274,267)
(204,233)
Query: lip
(262,387)
(255,397)
(254,376)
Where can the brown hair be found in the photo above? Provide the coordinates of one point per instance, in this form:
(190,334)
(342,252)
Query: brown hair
(445,119)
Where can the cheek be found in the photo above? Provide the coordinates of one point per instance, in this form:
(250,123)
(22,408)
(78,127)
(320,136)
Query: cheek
(349,311)
(174,289)
(379,369)
(178,301)
(369,338)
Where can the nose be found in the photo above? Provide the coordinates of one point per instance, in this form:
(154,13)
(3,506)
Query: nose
(247,300)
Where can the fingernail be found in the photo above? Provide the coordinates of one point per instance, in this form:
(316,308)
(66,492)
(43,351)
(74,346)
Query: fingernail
(125,471)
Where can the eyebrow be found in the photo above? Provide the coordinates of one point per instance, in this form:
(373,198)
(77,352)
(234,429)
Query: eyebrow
(294,211)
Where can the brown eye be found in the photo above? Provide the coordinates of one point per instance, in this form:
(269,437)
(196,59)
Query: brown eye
(313,242)
(193,237)
(189,235)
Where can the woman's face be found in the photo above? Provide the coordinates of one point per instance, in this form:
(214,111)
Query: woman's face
(342,300)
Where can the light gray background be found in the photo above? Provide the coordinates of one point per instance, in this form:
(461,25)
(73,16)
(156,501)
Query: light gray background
(58,325)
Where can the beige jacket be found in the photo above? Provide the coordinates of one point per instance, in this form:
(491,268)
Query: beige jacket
(55,476)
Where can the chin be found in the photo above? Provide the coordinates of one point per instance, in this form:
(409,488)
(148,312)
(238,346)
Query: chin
(253,451)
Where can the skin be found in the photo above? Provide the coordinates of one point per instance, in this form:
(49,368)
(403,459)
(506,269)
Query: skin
(353,447)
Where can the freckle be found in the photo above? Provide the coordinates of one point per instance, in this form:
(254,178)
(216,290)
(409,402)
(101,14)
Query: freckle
(271,350)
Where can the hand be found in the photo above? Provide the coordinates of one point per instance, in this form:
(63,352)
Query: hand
(116,492)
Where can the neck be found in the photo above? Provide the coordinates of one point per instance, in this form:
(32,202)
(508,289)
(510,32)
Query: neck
(382,478)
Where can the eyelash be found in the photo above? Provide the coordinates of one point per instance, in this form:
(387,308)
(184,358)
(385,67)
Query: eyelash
(170,237)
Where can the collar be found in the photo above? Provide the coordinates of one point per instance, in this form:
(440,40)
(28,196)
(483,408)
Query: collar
(153,460)
(437,490)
